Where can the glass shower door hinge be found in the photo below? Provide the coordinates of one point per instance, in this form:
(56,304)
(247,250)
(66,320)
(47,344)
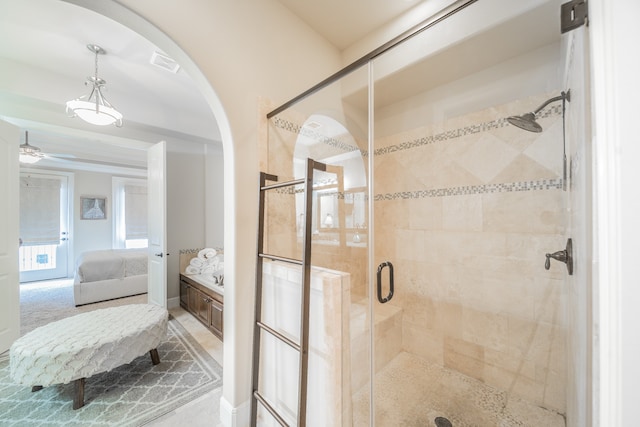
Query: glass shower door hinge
(573,14)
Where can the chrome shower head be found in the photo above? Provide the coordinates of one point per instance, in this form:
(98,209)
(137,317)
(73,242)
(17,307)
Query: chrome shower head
(528,121)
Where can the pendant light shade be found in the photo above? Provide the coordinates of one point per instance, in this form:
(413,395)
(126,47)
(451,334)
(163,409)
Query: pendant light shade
(28,153)
(94,108)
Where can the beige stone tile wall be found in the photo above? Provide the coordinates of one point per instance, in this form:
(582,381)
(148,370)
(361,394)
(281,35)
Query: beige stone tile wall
(466,215)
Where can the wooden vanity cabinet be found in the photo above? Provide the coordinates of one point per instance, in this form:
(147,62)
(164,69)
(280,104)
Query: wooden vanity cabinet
(205,304)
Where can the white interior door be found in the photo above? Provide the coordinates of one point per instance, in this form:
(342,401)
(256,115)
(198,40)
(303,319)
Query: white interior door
(157,224)
(44,226)
(9,290)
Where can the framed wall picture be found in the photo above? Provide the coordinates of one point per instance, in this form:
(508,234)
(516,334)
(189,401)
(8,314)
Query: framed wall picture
(93,207)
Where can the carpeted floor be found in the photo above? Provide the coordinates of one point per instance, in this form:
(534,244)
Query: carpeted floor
(130,395)
(45,302)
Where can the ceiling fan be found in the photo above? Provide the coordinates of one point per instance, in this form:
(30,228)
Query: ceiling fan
(30,154)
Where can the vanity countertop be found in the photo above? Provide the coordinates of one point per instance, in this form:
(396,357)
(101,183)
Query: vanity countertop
(206,280)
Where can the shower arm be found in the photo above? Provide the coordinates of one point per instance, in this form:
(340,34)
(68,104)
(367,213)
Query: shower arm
(560,97)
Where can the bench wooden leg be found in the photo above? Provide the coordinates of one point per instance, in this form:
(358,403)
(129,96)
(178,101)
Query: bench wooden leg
(155,359)
(78,398)
(36,388)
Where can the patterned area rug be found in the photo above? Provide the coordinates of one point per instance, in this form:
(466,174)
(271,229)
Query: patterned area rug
(130,395)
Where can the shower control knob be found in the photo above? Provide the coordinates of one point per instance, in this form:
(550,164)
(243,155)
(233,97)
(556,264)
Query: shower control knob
(565,255)
(560,256)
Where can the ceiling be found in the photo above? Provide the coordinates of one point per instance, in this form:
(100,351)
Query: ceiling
(44,62)
(344,22)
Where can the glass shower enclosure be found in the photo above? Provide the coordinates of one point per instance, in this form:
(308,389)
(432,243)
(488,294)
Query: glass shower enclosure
(430,301)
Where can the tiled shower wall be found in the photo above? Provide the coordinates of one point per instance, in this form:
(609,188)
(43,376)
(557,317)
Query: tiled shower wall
(466,210)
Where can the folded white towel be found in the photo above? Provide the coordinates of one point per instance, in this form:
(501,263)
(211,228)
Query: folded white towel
(191,270)
(210,254)
(196,262)
(207,253)
(209,269)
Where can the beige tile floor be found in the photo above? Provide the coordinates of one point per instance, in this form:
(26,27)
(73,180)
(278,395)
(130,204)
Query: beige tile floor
(413,392)
(406,401)
(204,411)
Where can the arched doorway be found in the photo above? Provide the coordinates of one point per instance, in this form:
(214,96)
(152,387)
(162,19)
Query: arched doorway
(136,23)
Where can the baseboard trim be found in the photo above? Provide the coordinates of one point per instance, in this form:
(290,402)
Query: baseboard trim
(234,417)
(173,302)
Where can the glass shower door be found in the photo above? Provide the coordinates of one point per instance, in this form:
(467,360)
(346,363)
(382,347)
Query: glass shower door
(464,207)
(330,126)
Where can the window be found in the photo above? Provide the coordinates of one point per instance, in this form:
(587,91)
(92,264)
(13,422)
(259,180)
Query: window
(129,213)
(44,224)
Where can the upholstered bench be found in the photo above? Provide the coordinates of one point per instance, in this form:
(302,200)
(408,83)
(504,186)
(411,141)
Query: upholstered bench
(78,347)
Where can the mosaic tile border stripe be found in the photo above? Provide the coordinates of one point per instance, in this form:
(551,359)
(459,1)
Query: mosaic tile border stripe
(291,190)
(458,133)
(281,123)
(507,187)
(195,251)
(543,184)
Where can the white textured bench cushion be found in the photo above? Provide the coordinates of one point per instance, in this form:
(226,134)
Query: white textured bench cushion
(86,344)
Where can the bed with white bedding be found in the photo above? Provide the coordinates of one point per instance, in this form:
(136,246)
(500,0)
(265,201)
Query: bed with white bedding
(108,274)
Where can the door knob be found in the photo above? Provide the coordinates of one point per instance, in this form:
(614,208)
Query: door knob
(565,255)
(159,254)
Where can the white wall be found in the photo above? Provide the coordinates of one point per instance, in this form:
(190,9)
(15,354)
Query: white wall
(90,235)
(185,211)
(214,199)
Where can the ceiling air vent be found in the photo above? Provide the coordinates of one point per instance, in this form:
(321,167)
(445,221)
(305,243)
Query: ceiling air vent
(163,61)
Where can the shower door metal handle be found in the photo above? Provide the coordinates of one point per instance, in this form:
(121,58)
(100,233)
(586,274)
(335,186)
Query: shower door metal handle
(390,294)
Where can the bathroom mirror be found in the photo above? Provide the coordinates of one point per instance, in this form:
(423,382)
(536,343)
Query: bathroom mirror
(339,206)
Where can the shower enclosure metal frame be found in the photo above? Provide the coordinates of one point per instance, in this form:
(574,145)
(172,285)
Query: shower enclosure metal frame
(445,13)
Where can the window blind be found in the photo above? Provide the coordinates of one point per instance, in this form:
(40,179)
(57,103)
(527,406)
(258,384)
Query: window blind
(135,211)
(39,210)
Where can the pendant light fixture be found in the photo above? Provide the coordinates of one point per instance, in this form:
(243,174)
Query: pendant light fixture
(29,153)
(95,109)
